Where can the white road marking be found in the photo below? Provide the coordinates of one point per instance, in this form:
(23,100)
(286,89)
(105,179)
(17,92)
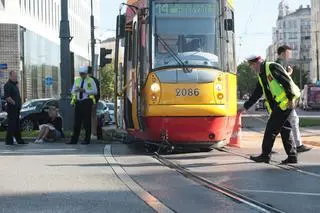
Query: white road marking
(149,199)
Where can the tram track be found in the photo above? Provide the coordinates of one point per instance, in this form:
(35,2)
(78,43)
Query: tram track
(274,163)
(234,195)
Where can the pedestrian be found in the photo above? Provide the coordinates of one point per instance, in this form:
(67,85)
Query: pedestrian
(83,97)
(280,93)
(284,54)
(13,98)
(96,126)
(52,129)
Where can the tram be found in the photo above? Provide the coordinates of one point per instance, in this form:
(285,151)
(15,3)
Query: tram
(179,71)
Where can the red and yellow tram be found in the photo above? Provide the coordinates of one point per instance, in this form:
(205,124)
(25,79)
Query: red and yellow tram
(179,71)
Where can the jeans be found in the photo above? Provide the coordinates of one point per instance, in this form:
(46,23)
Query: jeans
(294,120)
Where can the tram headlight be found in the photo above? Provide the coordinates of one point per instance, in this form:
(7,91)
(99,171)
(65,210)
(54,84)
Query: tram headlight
(155,87)
(219,87)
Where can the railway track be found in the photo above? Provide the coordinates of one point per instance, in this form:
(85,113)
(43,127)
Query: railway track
(234,195)
(274,163)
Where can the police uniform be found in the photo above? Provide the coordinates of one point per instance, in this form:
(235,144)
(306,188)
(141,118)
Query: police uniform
(278,89)
(83,102)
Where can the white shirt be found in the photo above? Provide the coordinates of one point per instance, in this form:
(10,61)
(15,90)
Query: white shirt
(92,91)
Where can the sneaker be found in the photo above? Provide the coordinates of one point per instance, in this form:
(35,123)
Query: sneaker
(303,148)
(261,158)
(36,141)
(290,160)
(41,141)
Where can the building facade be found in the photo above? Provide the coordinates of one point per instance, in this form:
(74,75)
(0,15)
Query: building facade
(315,18)
(294,30)
(30,44)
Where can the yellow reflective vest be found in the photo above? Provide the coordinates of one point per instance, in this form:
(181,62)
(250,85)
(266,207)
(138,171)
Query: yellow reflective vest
(277,89)
(89,86)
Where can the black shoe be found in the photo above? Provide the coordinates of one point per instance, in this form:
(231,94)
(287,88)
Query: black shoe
(9,144)
(261,158)
(303,148)
(71,142)
(85,143)
(290,159)
(22,142)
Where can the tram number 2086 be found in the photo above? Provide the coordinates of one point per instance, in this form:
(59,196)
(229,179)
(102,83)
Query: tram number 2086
(187,92)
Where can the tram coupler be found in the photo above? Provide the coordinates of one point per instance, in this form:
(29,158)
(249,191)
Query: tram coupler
(165,144)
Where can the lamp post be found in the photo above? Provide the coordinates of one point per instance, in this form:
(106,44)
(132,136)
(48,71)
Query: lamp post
(93,41)
(65,67)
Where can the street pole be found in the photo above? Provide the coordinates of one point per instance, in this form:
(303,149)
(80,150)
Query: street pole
(93,42)
(65,67)
(317,55)
(116,69)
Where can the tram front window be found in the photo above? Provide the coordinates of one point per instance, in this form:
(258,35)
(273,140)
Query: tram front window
(189,31)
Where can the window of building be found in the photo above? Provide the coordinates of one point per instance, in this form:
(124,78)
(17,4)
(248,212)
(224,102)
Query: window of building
(50,13)
(30,7)
(38,9)
(25,5)
(34,8)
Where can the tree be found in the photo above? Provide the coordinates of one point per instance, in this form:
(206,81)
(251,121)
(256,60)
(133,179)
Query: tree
(296,76)
(107,81)
(247,79)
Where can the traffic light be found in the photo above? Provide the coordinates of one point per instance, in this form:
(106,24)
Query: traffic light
(103,53)
(121,26)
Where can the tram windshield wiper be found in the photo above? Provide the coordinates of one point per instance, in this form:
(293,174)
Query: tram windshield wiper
(173,54)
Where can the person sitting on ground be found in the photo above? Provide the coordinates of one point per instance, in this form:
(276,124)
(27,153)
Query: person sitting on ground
(52,130)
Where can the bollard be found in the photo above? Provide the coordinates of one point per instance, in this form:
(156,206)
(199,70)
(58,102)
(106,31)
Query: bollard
(236,132)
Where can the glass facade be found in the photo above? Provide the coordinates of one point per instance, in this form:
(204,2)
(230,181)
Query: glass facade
(41,67)
(41,70)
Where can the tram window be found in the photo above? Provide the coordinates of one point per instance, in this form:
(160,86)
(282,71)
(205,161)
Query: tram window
(178,76)
(231,66)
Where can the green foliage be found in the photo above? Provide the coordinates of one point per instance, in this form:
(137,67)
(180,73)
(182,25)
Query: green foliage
(307,122)
(296,76)
(107,81)
(247,79)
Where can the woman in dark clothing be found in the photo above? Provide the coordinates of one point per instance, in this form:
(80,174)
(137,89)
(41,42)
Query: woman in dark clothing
(52,130)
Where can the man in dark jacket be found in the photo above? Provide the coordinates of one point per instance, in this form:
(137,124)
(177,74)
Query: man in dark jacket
(96,125)
(12,96)
(280,93)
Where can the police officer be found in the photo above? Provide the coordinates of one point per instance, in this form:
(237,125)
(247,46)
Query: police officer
(12,96)
(284,53)
(83,91)
(280,93)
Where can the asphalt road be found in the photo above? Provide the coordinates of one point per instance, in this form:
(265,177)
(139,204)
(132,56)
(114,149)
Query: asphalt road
(62,178)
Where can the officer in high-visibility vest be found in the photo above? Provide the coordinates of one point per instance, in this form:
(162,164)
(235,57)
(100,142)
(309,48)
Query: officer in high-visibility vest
(280,93)
(83,97)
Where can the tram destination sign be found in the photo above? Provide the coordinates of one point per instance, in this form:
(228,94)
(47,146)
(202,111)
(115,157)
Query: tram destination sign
(185,10)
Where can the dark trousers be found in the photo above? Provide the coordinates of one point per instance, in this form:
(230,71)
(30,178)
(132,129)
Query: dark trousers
(278,123)
(13,125)
(82,115)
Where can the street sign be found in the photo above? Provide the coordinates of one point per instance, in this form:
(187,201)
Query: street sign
(48,81)
(318,83)
(3,66)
